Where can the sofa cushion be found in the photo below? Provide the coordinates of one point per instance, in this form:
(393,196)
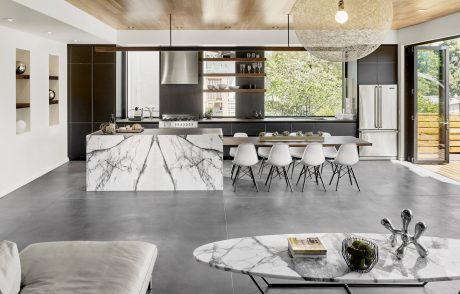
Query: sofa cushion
(87,267)
(10,268)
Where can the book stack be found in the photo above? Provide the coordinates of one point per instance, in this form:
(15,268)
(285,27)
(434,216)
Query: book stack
(306,247)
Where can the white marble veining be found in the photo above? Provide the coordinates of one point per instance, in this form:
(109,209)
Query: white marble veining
(267,256)
(152,162)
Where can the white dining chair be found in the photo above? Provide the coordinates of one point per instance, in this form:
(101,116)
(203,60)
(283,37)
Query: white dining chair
(263,152)
(232,151)
(313,157)
(330,153)
(245,159)
(296,154)
(279,158)
(347,157)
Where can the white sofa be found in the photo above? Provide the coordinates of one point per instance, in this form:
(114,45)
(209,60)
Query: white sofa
(121,267)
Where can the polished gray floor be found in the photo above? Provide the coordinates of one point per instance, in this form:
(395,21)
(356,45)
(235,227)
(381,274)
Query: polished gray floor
(57,207)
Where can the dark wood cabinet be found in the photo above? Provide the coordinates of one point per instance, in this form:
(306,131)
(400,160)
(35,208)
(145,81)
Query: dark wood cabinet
(380,67)
(91,94)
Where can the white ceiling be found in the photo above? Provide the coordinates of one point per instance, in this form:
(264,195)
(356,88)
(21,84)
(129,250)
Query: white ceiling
(31,21)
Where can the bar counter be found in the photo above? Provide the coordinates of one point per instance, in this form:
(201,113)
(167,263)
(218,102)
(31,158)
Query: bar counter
(155,160)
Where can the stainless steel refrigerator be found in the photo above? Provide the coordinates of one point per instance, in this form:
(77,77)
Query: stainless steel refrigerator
(378,121)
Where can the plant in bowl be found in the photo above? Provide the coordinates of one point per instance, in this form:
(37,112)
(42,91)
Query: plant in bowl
(299,133)
(286,133)
(275,134)
(360,255)
(262,134)
(209,113)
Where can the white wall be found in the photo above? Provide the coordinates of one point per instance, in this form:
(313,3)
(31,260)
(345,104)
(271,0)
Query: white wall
(29,155)
(444,27)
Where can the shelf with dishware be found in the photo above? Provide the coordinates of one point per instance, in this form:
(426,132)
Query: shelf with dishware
(23,91)
(22,77)
(236,91)
(234,59)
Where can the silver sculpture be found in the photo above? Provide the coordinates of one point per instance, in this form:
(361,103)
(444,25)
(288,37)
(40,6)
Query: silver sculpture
(420,228)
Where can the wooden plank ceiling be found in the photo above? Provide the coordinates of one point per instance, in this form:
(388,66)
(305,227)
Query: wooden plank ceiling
(234,14)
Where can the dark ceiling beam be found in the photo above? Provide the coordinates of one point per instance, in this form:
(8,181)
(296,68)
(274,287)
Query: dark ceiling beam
(197,48)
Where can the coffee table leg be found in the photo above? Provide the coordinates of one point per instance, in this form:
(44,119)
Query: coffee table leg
(332,285)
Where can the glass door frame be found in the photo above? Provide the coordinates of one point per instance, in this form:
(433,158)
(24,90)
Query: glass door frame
(445,52)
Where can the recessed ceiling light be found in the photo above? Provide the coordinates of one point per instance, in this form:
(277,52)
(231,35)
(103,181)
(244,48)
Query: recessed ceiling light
(9,19)
(75,41)
(421,10)
(49,33)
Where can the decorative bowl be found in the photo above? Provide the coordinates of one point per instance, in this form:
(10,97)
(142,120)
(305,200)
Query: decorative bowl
(222,86)
(20,67)
(51,95)
(233,87)
(361,255)
(210,87)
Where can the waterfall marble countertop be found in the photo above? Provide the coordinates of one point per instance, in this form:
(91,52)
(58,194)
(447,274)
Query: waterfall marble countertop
(267,256)
(155,160)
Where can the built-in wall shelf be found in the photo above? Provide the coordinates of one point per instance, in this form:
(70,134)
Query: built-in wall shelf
(27,105)
(54,78)
(22,105)
(235,59)
(236,91)
(22,77)
(239,75)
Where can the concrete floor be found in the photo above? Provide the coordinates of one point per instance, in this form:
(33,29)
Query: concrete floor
(57,207)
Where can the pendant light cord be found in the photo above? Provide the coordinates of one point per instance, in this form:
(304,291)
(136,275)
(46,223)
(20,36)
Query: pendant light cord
(170,30)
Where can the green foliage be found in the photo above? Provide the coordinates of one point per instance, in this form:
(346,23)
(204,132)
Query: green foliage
(429,63)
(299,84)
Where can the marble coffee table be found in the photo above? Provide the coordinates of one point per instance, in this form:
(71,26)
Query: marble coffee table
(267,257)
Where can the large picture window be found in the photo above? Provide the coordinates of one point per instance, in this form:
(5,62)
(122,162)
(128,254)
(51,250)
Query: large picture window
(299,84)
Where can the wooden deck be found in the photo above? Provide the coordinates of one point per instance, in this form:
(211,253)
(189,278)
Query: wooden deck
(451,170)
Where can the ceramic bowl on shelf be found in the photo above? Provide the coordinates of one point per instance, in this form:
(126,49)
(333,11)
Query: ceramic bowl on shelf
(233,87)
(222,86)
(210,87)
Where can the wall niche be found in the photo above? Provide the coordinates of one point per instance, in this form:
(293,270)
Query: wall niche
(53,95)
(23,106)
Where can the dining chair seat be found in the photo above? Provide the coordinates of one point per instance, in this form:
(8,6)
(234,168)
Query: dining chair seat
(347,157)
(313,157)
(279,158)
(232,150)
(245,159)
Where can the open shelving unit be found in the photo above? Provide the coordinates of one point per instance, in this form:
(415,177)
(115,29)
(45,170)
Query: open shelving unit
(54,86)
(23,91)
(239,70)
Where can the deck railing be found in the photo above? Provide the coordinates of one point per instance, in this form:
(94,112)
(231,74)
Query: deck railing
(428,133)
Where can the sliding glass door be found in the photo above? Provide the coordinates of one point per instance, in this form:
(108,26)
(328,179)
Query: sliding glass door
(431,93)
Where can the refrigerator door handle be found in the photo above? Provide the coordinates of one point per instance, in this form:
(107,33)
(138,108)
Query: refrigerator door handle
(380,107)
(376,107)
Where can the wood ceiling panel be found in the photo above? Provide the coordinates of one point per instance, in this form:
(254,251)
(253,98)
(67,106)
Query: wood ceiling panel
(234,14)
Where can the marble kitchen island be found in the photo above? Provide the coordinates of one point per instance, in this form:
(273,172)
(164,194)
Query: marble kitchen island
(155,160)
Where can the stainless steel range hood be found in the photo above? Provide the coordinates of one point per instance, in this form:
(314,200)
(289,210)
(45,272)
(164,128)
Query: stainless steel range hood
(179,67)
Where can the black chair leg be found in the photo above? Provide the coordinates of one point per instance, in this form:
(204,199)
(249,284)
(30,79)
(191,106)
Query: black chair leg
(349,175)
(271,177)
(233,169)
(286,176)
(300,175)
(304,179)
(253,179)
(235,181)
(334,171)
(261,168)
(293,166)
(269,174)
(354,177)
(320,177)
(338,178)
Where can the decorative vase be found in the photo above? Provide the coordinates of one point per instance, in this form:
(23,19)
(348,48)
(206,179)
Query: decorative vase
(20,126)
(20,67)
(52,95)
(360,255)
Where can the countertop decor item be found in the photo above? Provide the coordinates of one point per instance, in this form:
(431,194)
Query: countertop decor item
(233,87)
(108,128)
(361,255)
(209,113)
(406,238)
(341,30)
(20,67)
(51,95)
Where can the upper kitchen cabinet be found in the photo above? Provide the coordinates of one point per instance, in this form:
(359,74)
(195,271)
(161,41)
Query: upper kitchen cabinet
(380,67)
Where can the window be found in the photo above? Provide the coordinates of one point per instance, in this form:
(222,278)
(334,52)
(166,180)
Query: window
(143,81)
(298,84)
